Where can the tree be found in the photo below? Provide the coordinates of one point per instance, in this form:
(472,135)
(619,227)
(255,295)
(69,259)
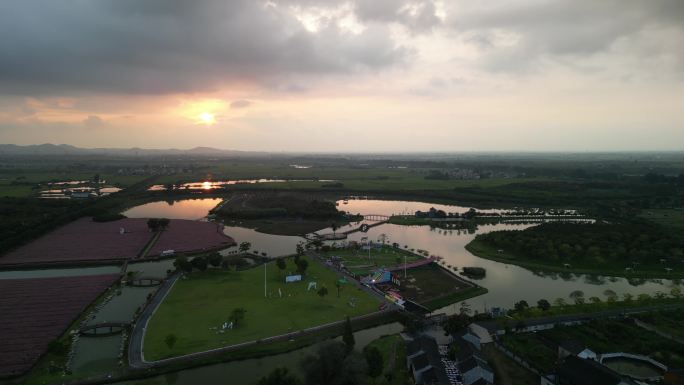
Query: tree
(543,305)
(521,306)
(237,315)
(334,227)
(464,308)
(302,265)
(610,295)
(560,302)
(280,262)
(323,291)
(348,335)
(244,247)
(170,340)
(676,292)
(280,376)
(627,297)
(382,238)
(374,361)
(163,223)
(334,364)
(215,259)
(455,323)
(153,224)
(594,300)
(182,263)
(338,286)
(300,248)
(577,296)
(199,263)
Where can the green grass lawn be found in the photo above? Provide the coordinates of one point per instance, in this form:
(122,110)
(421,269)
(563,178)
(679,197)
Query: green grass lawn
(668,321)
(357,261)
(205,300)
(671,218)
(393,350)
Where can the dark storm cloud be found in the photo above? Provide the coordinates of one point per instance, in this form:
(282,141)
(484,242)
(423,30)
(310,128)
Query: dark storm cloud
(160,46)
(563,28)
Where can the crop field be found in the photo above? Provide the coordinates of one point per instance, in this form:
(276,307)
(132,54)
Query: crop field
(198,305)
(36,311)
(84,240)
(188,236)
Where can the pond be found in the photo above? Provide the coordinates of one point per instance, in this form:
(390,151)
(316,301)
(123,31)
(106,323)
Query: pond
(633,367)
(211,185)
(174,209)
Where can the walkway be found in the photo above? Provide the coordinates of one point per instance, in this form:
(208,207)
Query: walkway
(135,346)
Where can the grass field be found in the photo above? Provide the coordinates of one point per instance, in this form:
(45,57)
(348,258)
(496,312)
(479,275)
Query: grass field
(358,262)
(507,371)
(205,300)
(672,218)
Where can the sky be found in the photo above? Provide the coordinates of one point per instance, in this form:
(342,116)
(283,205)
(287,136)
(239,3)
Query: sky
(359,75)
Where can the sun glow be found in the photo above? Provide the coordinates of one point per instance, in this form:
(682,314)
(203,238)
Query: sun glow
(207,118)
(206,186)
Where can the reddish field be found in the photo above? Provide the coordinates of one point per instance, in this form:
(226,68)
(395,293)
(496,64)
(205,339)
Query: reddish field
(36,311)
(186,236)
(84,240)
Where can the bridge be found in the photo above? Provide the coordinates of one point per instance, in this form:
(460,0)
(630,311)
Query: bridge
(145,282)
(376,217)
(103,329)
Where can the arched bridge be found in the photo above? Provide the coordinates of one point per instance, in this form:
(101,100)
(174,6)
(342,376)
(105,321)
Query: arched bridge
(103,329)
(376,217)
(145,281)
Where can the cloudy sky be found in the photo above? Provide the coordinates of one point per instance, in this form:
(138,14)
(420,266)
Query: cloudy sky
(360,75)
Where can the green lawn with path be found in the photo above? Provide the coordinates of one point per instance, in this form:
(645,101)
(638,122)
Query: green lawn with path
(204,300)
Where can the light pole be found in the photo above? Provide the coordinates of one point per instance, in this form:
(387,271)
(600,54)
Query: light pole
(404,265)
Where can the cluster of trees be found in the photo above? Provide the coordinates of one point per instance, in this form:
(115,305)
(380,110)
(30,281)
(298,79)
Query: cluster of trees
(578,297)
(300,264)
(201,263)
(270,205)
(595,243)
(158,224)
(335,363)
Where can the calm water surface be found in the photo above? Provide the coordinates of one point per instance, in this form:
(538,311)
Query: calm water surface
(180,209)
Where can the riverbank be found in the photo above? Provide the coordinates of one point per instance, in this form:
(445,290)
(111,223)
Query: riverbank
(483,250)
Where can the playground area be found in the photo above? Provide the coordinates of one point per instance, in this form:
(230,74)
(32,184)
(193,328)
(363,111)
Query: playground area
(200,310)
(361,262)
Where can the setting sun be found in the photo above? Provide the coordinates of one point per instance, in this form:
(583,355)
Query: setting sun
(207,118)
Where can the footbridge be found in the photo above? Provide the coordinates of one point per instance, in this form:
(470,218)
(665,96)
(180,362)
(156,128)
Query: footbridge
(103,329)
(145,281)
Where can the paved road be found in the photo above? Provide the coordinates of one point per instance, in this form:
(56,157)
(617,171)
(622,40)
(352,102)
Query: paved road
(135,347)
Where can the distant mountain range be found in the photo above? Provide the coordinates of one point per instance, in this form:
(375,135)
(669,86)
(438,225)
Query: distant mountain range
(65,149)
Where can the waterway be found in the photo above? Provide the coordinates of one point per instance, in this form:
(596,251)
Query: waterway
(506,283)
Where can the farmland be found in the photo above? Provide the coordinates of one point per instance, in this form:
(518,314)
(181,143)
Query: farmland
(188,236)
(87,241)
(84,240)
(35,312)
